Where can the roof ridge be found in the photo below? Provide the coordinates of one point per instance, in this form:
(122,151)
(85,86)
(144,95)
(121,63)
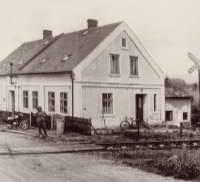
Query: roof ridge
(100,27)
(64,34)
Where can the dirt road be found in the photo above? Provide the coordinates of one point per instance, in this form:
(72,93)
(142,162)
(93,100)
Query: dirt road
(64,167)
(71,167)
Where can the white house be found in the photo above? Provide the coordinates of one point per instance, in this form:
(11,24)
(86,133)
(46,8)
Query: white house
(95,72)
(178,109)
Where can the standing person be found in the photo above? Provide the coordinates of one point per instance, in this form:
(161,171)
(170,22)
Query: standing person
(41,121)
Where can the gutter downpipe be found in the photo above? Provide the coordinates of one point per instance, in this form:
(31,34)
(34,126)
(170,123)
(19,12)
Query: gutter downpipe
(72,78)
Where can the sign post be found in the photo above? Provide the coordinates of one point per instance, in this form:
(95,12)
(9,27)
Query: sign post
(197,65)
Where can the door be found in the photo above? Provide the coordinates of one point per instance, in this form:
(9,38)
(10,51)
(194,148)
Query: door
(11,106)
(139,107)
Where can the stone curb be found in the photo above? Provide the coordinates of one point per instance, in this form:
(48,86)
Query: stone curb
(20,151)
(18,132)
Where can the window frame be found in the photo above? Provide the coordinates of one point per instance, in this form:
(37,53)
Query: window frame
(51,110)
(131,66)
(25,98)
(111,66)
(63,99)
(186,116)
(34,98)
(171,114)
(102,112)
(126,43)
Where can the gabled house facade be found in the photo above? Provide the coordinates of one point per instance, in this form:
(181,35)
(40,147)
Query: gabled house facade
(99,73)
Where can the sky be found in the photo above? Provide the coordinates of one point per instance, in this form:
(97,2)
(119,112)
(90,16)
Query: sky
(168,29)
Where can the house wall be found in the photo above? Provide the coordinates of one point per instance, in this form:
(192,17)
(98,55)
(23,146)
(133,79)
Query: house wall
(178,106)
(123,104)
(99,70)
(40,83)
(96,79)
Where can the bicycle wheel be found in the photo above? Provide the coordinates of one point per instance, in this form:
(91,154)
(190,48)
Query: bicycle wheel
(124,125)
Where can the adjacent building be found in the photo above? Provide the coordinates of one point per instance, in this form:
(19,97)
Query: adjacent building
(178,109)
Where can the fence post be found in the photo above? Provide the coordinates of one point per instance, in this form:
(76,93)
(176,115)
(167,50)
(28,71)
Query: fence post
(180,129)
(138,126)
(90,126)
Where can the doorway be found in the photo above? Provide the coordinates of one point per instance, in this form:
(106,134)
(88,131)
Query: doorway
(139,107)
(11,102)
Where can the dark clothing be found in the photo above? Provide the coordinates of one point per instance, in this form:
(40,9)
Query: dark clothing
(41,125)
(41,122)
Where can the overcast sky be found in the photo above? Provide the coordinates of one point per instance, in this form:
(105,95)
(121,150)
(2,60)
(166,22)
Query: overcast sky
(168,29)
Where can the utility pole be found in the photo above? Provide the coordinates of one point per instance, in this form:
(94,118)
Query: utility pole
(199,85)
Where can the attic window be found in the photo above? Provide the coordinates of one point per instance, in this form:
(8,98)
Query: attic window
(20,62)
(85,32)
(46,42)
(67,57)
(43,61)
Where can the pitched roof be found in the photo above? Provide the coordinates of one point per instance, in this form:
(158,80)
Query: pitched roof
(47,55)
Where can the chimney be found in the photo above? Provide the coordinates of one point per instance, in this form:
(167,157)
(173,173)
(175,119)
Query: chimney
(92,23)
(47,34)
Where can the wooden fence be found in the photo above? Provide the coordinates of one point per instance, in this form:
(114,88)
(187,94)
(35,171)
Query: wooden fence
(78,125)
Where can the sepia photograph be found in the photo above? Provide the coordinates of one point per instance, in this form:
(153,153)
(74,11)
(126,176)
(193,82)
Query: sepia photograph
(99,90)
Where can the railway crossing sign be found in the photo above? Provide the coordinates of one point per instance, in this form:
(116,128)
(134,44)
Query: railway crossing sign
(197,65)
(196,61)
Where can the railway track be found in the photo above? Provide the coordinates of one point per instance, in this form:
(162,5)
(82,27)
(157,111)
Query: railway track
(153,145)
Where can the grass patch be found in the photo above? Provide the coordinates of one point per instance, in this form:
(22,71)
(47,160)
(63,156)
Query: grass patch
(180,163)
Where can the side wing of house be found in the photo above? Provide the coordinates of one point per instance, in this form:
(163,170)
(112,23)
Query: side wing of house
(119,80)
(53,92)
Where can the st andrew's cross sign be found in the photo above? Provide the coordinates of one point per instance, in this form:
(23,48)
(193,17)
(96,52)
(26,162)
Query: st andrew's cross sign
(197,65)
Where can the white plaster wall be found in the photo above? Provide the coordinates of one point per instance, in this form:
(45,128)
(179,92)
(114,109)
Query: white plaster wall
(178,106)
(123,104)
(41,83)
(100,67)
(2,99)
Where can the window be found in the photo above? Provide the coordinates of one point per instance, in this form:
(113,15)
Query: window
(124,42)
(185,116)
(155,102)
(107,103)
(35,100)
(63,102)
(25,99)
(133,65)
(51,99)
(169,115)
(114,64)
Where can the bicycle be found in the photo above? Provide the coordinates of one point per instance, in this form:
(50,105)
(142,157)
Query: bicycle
(128,125)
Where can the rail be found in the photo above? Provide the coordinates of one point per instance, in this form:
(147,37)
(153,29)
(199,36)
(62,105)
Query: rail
(169,144)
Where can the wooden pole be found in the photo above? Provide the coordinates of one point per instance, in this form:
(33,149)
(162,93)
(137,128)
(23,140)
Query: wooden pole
(138,126)
(199,85)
